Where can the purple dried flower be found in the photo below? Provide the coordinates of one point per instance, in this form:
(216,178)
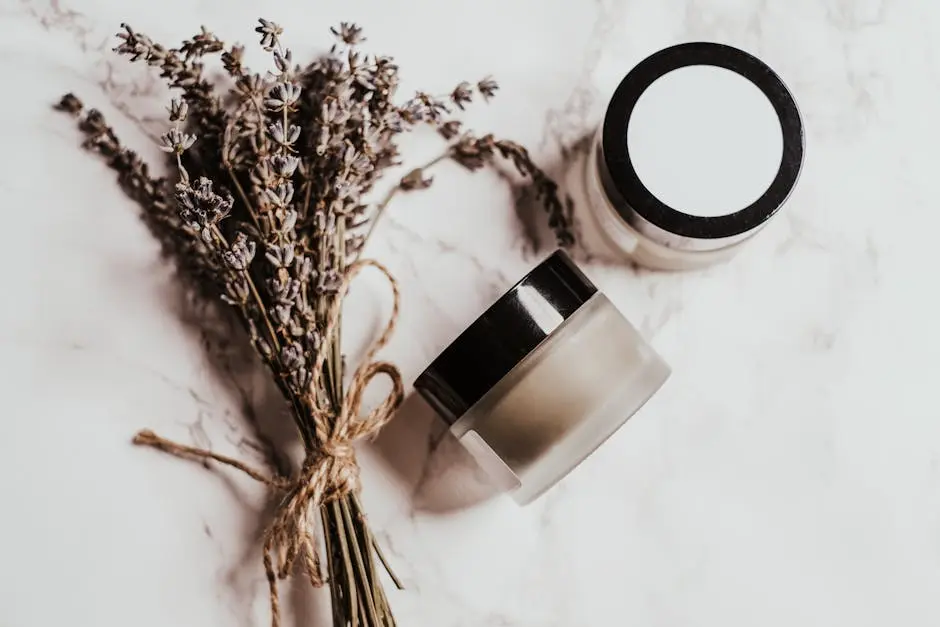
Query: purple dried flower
(416,180)
(232,60)
(281,195)
(292,356)
(270,32)
(282,96)
(178,111)
(393,121)
(200,206)
(284,165)
(176,141)
(348,33)
(282,314)
(284,62)
(236,290)
(282,136)
(240,253)
(70,104)
(289,221)
(280,256)
(137,46)
(204,42)
(329,282)
(462,94)
(487,87)
(355,160)
(449,129)
(250,86)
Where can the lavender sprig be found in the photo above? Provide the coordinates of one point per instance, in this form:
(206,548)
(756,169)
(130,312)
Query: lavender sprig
(271,205)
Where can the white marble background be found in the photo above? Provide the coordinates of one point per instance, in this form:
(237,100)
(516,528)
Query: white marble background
(789,474)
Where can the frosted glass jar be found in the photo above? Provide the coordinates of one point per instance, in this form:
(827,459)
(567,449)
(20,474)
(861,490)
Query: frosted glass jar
(700,147)
(542,378)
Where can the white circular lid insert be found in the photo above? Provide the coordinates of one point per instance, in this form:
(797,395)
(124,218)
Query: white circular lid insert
(705,140)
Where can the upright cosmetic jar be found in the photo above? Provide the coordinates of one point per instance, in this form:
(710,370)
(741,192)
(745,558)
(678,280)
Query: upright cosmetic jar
(542,378)
(701,145)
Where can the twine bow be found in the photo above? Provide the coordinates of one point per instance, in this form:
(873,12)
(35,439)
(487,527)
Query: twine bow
(330,470)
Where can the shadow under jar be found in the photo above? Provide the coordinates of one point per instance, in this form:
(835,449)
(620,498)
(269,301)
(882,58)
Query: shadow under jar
(700,147)
(542,378)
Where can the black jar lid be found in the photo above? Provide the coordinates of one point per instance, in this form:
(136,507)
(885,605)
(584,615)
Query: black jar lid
(504,335)
(637,205)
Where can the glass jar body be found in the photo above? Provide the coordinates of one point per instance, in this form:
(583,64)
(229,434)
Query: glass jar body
(631,243)
(562,401)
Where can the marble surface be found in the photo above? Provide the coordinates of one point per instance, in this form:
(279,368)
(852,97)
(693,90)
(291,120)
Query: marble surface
(788,474)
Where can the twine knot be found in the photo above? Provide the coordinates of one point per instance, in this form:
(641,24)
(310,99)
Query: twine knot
(329,470)
(342,470)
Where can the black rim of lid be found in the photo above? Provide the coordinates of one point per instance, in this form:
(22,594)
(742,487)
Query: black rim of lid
(622,175)
(505,334)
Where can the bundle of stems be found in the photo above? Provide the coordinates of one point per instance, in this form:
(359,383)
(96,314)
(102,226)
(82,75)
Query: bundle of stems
(268,211)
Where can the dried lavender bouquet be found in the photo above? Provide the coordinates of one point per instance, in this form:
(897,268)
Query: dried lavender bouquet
(268,211)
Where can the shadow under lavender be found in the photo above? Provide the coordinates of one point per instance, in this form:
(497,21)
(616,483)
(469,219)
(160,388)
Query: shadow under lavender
(429,463)
(268,436)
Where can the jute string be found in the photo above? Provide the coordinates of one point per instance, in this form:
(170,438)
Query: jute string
(330,470)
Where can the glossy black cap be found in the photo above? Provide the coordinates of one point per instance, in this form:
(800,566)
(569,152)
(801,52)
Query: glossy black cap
(619,176)
(504,335)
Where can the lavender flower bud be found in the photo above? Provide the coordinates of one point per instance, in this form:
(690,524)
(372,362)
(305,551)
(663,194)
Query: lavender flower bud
(282,313)
(281,195)
(393,121)
(273,255)
(355,160)
(300,378)
(303,266)
(237,289)
(450,129)
(414,111)
(487,87)
(290,220)
(250,86)
(282,96)
(319,221)
(323,141)
(176,141)
(292,356)
(284,62)
(291,290)
(287,254)
(200,207)
(283,136)
(284,165)
(232,60)
(354,243)
(462,95)
(240,253)
(178,110)
(343,189)
(329,282)
(415,180)
(330,113)
(269,32)
(314,341)
(264,348)
(348,33)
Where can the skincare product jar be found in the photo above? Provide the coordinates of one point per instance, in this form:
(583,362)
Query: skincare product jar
(542,378)
(700,147)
